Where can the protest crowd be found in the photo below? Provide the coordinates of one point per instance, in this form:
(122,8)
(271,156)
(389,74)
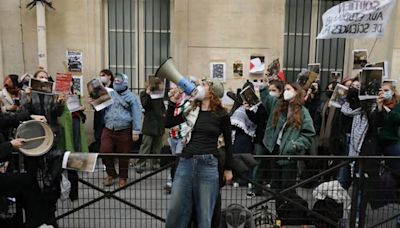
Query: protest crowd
(291,118)
(212,144)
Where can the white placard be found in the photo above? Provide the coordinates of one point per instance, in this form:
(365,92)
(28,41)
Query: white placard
(356,19)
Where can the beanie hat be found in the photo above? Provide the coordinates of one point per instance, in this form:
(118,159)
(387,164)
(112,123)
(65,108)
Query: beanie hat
(124,78)
(216,87)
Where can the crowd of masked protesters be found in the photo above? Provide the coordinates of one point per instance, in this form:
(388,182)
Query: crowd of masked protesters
(293,118)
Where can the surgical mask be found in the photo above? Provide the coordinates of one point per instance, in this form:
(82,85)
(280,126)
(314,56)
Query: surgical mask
(43,80)
(104,80)
(289,95)
(388,95)
(274,94)
(201,93)
(119,87)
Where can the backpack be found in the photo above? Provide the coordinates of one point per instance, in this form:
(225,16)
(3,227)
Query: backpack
(290,214)
(237,216)
(328,208)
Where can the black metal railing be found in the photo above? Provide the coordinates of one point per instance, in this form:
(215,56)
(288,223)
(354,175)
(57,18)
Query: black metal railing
(369,197)
(143,202)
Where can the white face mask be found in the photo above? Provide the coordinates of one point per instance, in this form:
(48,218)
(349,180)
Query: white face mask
(289,95)
(104,80)
(43,80)
(201,93)
(274,94)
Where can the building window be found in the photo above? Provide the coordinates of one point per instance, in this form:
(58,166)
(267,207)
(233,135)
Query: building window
(303,21)
(138,37)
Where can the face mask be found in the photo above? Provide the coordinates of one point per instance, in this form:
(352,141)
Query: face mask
(273,94)
(104,80)
(289,95)
(119,87)
(201,93)
(43,80)
(388,95)
(329,94)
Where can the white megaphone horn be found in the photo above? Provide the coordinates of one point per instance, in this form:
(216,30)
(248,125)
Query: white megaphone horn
(168,70)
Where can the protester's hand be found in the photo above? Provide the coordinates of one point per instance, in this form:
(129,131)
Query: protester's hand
(266,80)
(39,118)
(12,108)
(17,143)
(228,176)
(82,108)
(61,98)
(28,90)
(135,137)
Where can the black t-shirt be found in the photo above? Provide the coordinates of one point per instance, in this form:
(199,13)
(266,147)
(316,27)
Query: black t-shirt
(204,135)
(204,138)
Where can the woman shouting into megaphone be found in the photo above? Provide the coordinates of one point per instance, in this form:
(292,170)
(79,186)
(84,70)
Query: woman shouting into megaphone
(196,182)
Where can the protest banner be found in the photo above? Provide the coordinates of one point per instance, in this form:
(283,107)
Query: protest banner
(356,19)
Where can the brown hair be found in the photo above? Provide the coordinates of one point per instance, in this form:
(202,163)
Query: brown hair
(295,119)
(41,69)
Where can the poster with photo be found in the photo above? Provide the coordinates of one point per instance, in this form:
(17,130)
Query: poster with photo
(336,76)
(217,71)
(338,96)
(85,162)
(312,77)
(360,59)
(370,82)
(238,69)
(77,84)
(314,67)
(257,64)
(74,60)
(248,94)
(73,103)
(99,95)
(63,83)
(274,68)
(41,87)
(383,65)
(157,87)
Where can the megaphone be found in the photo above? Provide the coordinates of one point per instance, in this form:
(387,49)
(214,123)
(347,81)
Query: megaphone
(168,70)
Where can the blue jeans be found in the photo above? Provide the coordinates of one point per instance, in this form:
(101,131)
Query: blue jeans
(76,131)
(195,185)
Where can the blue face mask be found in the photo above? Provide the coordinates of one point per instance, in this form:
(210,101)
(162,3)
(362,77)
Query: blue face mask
(388,95)
(119,87)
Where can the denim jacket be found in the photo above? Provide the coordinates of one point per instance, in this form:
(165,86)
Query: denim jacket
(117,117)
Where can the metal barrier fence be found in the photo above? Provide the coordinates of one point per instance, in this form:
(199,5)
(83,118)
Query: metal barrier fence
(276,194)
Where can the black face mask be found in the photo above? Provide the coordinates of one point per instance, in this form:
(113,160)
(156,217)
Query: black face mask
(329,94)
(352,98)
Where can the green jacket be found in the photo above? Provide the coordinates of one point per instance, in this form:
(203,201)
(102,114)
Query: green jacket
(294,141)
(154,113)
(389,134)
(67,141)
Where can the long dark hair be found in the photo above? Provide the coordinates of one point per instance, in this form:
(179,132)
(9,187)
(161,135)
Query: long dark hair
(295,119)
